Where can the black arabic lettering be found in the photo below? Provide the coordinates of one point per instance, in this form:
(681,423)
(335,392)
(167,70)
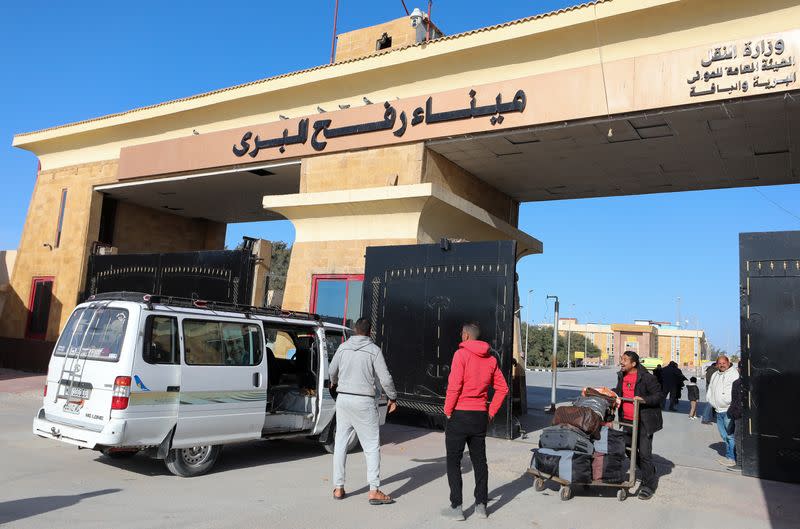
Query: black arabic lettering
(707,76)
(496,111)
(732,70)
(775,66)
(779,46)
(694,79)
(747,49)
(402,130)
(387,123)
(283,140)
(245,146)
(694,93)
(319,126)
(417,117)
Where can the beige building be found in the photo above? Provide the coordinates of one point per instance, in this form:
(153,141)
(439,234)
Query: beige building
(430,139)
(580,334)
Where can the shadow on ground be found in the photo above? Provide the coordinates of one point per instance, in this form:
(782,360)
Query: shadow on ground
(235,456)
(415,477)
(15,510)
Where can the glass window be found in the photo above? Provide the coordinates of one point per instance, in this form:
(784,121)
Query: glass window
(331,299)
(161,340)
(242,344)
(94,333)
(60,224)
(337,298)
(333,339)
(353,308)
(214,343)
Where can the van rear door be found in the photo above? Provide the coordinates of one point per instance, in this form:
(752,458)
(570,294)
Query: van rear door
(223,393)
(87,359)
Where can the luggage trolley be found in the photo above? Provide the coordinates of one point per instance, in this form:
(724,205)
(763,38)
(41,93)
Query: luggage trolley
(565,490)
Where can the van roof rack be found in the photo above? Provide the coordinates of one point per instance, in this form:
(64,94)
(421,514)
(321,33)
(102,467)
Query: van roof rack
(194,303)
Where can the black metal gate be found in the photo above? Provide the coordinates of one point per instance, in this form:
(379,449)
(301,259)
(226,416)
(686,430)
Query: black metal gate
(225,275)
(770,337)
(419,296)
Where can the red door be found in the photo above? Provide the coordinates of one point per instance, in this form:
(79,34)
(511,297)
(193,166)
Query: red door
(39,307)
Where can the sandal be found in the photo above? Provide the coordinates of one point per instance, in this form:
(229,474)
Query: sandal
(645,493)
(339,493)
(380,498)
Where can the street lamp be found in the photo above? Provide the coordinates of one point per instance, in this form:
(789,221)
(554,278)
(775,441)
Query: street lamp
(569,334)
(527,327)
(554,362)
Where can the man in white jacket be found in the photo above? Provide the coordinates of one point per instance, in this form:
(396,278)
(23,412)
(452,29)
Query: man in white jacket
(719,396)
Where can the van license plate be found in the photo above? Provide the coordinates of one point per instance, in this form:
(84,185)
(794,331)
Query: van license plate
(73,407)
(78,393)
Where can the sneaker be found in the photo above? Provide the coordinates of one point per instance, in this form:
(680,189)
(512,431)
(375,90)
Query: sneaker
(454,513)
(735,468)
(725,462)
(480,510)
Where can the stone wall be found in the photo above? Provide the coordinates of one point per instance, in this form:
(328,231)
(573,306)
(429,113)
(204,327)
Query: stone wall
(142,230)
(325,257)
(137,229)
(378,167)
(439,170)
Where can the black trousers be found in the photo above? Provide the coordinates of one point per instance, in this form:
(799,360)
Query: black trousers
(673,395)
(467,428)
(644,456)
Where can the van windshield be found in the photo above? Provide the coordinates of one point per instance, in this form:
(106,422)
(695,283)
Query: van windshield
(94,333)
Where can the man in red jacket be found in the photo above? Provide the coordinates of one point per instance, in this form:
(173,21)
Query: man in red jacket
(474,369)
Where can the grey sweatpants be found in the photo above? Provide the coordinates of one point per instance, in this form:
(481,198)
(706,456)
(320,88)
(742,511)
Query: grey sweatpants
(354,412)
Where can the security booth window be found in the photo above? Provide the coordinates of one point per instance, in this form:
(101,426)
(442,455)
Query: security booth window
(337,297)
(215,343)
(161,340)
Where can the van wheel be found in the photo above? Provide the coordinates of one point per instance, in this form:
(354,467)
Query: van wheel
(194,461)
(352,442)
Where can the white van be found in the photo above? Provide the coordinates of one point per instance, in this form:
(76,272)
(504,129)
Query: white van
(181,378)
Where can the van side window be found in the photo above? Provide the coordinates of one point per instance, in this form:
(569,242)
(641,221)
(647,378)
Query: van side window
(161,340)
(333,339)
(215,343)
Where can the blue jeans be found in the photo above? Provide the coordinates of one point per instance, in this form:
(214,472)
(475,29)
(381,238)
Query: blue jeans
(725,427)
(708,413)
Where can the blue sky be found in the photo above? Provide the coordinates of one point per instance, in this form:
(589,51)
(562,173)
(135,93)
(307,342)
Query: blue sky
(84,59)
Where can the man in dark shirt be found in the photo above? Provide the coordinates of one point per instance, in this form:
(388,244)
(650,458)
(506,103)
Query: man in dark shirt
(735,413)
(634,381)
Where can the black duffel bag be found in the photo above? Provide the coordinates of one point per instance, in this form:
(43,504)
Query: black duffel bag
(570,466)
(565,437)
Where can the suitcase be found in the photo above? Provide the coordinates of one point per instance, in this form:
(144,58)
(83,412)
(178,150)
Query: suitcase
(565,437)
(570,466)
(583,418)
(598,405)
(609,468)
(611,442)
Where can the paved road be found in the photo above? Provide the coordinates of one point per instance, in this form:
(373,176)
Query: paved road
(287,484)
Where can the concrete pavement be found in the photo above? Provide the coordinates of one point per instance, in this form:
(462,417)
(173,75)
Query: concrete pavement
(287,483)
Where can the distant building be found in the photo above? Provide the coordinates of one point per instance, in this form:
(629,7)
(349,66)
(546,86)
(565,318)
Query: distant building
(687,347)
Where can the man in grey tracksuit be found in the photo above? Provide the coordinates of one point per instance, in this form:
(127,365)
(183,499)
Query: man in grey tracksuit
(357,364)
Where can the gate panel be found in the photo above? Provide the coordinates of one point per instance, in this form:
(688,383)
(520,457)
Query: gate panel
(419,296)
(225,275)
(770,334)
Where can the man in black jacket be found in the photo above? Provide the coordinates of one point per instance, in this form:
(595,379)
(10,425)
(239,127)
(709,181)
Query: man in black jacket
(635,382)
